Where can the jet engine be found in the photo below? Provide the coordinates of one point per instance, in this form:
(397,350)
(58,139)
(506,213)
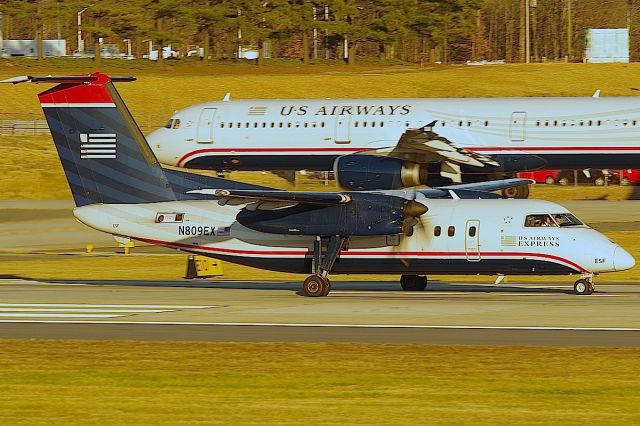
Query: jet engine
(368,172)
(363,215)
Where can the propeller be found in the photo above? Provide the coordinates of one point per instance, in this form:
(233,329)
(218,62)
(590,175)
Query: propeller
(412,211)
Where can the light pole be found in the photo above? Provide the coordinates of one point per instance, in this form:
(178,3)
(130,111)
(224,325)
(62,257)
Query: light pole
(1,39)
(527,33)
(128,41)
(80,41)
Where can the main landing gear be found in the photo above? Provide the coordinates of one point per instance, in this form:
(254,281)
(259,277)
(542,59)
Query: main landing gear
(516,192)
(318,284)
(413,282)
(584,286)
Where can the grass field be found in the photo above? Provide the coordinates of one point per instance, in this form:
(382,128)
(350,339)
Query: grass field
(132,383)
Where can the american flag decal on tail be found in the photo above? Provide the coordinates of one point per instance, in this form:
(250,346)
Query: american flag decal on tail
(97,145)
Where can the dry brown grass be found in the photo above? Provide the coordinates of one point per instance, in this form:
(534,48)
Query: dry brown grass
(127,383)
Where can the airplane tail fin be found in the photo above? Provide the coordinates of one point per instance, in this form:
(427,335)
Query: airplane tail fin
(104,154)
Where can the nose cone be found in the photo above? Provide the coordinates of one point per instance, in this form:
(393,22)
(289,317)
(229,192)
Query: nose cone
(622,260)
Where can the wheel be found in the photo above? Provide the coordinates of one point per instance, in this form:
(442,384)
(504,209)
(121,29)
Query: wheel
(413,282)
(516,192)
(315,286)
(549,180)
(583,287)
(625,181)
(563,181)
(327,287)
(599,181)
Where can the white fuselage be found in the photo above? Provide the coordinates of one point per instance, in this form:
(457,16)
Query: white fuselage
(311,133)
(500,243)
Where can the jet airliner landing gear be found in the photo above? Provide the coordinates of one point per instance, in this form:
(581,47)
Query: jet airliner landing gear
(516,192)
(583,286)
(413,282)
(318,284)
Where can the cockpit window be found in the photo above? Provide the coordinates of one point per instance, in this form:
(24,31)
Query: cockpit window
(173,123)
(539,221)
(567,219)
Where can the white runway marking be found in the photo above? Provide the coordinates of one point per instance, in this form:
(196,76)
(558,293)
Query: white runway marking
(82,305)
(452,293)
(78,310)
(34,315)
(302,325)
(89,310)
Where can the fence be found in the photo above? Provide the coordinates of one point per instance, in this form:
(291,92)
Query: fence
(24,127)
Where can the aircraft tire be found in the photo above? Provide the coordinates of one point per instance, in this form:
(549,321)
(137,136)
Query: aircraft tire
(516,192)
(583,287)
(315,286)
(413,282)
(326,287)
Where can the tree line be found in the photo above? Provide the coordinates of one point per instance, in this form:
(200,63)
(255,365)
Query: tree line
(419,31)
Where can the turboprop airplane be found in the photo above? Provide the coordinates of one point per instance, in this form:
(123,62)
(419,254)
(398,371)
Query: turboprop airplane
(120,188)
(394,143)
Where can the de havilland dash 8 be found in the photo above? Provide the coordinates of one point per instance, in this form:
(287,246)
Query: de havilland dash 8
(396,143)
(120,188)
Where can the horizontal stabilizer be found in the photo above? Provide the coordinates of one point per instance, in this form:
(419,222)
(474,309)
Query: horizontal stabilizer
(489,186)
(86,78)
(237,197)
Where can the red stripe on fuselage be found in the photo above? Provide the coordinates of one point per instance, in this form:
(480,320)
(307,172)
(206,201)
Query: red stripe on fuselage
(572,150)
(305,253)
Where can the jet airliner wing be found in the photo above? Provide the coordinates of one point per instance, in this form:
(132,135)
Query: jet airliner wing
(426,146)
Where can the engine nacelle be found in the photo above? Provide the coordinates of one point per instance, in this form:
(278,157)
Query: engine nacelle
(364,215)
(368,172)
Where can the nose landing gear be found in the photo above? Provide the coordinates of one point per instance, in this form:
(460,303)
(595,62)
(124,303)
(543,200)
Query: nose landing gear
(583,286)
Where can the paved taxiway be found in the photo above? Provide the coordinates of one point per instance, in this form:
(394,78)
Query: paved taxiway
(448,313)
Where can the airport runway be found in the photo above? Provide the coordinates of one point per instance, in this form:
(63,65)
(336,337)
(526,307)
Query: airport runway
(448,313)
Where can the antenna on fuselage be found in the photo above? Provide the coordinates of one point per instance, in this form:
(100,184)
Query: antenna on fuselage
(227,97)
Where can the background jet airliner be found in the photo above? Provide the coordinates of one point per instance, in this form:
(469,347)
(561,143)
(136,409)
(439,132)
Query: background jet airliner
(395,143)
(120,188)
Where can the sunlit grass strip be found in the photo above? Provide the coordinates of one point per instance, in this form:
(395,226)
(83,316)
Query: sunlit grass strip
(126,383)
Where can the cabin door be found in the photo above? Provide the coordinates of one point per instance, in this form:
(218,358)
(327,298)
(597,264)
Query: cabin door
(472,240)
(343,129)
(516,130)
(205,125)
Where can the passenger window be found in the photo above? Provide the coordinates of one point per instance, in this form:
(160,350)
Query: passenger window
(222,125)
(451,231)
(437,231)
(355,124)
(169,124)
(382,124)
(539,221)
(273,124)
(230,125)
(255,124)
(246,124)
(264,124)
(472,231)
(176,123)
(373,124)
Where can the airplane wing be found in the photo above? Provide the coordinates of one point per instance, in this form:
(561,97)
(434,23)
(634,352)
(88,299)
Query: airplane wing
(273,199)
(426,146)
